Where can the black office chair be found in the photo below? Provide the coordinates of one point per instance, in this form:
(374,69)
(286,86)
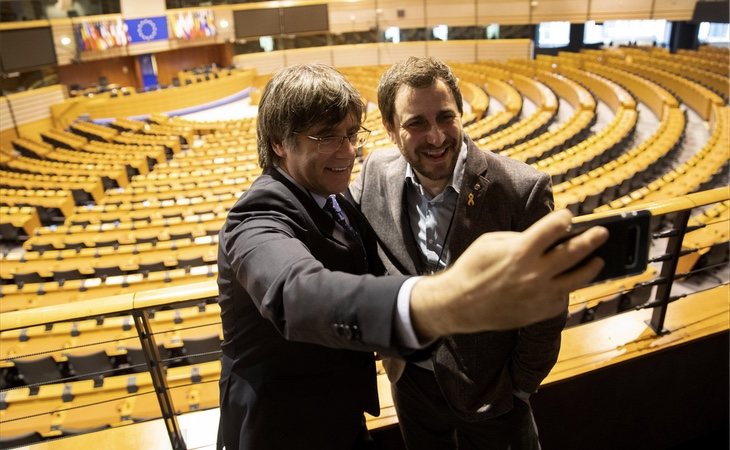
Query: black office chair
(40,370)
(202,350)
(108,271)
(91,366)
(20,440)
(136,361)
(76,431)
(181,235)
(157,266)
(64,275)
(189,263)
(30,277)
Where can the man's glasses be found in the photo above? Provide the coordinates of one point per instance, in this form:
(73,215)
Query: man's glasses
(330,144)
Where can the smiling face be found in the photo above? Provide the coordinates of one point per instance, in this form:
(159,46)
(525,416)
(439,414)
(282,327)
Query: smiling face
(427,129)
(318,172)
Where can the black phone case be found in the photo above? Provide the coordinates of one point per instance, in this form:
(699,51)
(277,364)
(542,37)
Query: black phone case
(626,252)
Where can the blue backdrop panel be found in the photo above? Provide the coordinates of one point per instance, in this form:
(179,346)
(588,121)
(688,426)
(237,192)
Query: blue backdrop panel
(148,68)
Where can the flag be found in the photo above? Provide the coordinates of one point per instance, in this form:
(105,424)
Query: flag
(147,29)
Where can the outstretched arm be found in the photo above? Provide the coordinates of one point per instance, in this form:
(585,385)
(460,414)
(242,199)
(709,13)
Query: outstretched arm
(507,280)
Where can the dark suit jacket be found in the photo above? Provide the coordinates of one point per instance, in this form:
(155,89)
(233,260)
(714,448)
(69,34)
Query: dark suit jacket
(476,372)
(299,329)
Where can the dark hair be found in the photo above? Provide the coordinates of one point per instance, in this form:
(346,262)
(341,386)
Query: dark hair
(298,98)
(417,73)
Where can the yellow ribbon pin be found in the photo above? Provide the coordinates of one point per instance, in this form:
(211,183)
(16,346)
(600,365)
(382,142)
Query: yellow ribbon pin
(470,199)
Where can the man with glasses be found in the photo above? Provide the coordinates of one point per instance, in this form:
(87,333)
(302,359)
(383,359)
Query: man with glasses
(303,307)
(427,201)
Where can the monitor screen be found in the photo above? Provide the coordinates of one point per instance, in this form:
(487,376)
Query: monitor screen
(26,49)
(305,19)
(712,11)
(257,22)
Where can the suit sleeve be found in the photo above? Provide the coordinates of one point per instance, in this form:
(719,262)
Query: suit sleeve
(539,344)
(294,291)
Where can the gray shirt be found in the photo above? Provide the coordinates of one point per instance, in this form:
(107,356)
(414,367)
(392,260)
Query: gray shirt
(431,217)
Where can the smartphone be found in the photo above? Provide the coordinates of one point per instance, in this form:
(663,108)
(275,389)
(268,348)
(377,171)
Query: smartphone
(626,252)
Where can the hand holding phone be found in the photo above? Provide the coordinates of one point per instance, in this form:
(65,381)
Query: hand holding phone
(626,252)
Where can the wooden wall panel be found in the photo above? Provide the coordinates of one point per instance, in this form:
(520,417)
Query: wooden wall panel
(503,12)
(132,9)
(31,106)
(7,128)
(453,51)
(174,61)
(121,70)
(178,44)
(117,70)
(6,138)
(352,16)
(308,55)
(228,33)
(620,9)
(95,55)
(63,28)
(31,112)
(459,13)
(387,53)
(391,53)
(142,48)
(263,63)
(6,117)
(560,10)
(674,9)
(355,55)
(504,49)
(412,11)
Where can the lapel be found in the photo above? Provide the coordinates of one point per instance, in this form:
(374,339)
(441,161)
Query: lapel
(472,208)
(319,218)
(325,223)
(470,219)
(393,220)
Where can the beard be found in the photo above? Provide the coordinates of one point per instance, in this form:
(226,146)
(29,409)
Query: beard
(436,163)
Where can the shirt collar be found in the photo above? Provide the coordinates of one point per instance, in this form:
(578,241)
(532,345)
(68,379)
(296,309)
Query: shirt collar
(456,177)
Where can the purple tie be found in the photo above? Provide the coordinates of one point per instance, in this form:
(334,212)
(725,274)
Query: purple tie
(333,208)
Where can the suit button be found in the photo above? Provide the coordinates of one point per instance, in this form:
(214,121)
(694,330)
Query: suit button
(348,332)
(338,328)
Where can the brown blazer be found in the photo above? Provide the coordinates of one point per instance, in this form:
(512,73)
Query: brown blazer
(477,372)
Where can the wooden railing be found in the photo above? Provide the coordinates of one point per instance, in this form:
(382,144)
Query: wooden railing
(145,316)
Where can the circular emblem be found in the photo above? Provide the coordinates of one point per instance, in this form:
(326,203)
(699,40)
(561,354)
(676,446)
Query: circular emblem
(146,29)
